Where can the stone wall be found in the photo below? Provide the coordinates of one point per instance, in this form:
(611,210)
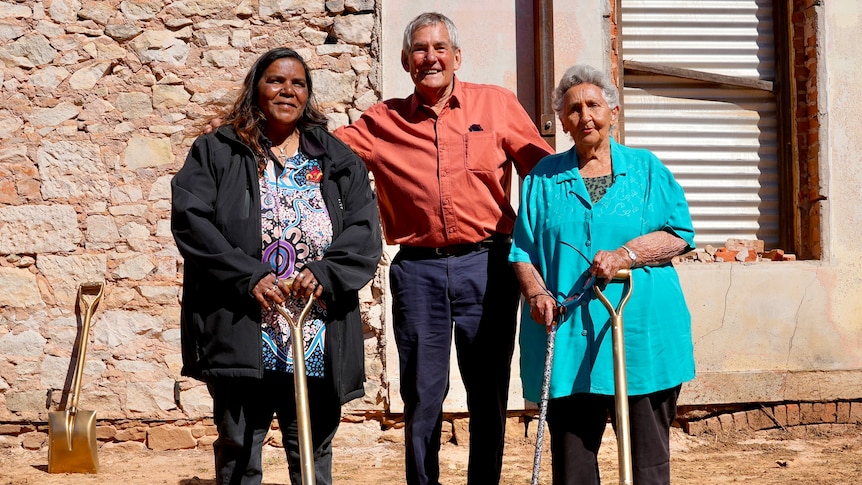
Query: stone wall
(100,102)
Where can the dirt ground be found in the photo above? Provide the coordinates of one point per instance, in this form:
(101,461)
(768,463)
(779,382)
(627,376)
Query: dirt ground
(821,454)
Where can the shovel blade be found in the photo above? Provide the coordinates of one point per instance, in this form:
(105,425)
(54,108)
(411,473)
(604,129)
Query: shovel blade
(72,444)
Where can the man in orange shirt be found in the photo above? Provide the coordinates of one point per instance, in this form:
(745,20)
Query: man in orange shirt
(442,161)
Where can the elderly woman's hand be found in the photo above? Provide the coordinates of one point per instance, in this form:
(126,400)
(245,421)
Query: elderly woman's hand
(543,309)
(606,264)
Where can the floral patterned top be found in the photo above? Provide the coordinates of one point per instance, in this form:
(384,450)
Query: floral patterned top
(295,228)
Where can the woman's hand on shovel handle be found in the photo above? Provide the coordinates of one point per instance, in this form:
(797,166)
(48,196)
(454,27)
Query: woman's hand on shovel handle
(304,284)
(267,291)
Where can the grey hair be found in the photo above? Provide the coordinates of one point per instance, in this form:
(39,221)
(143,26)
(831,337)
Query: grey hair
(425,20)
(580,74)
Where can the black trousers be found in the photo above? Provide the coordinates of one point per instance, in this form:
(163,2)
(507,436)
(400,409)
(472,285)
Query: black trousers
(477,294)
(577,423)
(242,411)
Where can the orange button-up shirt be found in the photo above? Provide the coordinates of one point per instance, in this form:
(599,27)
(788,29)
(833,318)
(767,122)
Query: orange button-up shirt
(444,179)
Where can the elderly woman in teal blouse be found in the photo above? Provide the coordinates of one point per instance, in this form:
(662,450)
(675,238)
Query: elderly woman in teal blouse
(589,212)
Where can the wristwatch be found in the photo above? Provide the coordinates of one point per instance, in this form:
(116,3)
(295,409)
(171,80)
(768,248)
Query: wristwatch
(632,255)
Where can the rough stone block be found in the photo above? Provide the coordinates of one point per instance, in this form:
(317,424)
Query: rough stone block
(15,429)
(106,432)
(132,434)
(447,432)
(8,442)
(353,434)
(393,435)
(56,225)
(33,440)
(163,438)
(206,442)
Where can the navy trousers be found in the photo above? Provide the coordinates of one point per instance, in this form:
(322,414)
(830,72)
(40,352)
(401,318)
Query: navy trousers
(477,294)
(577,423)
(242,411)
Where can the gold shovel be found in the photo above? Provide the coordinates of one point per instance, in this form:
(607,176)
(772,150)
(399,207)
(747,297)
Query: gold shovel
(621,387)
(72,433)
(303,415)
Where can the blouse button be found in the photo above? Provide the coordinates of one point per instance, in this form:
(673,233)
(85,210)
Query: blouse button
(584,333)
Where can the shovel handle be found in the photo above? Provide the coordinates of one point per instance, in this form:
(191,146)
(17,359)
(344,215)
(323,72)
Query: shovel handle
(303,414)
(87,309)
(621,398)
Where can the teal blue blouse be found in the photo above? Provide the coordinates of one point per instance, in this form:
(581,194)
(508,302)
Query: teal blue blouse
(559,230)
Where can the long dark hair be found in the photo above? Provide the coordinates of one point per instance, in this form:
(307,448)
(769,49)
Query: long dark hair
(246,117)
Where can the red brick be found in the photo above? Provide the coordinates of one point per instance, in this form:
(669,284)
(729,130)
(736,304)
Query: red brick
(714,425)
(855,413)
(756,245)
(828,412)
(725,255)
(794,416)
(780,413)
(807,415)
(726,421)
(759,419)
(740,420)
(842,412)
(696,428)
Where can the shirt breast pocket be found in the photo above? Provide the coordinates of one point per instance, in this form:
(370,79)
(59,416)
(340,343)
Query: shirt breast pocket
(483,154)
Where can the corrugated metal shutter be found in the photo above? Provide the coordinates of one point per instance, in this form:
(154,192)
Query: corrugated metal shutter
(720,142)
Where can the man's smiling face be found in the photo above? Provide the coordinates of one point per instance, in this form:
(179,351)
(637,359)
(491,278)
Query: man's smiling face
(432,62)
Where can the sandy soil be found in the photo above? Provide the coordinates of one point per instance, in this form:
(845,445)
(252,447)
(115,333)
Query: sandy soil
(822,454)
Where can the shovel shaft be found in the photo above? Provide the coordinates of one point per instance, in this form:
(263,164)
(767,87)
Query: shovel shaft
(621,402)
(621,397)
(87,309)
(303,414)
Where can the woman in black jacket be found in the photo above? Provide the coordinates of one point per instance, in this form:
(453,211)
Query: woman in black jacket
(268,196)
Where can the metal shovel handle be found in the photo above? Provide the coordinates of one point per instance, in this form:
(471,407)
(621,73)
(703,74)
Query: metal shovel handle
(300,385)
(621,398)
(87,310)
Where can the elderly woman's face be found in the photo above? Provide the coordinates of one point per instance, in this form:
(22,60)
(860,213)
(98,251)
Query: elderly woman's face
(586,116)
(282,93)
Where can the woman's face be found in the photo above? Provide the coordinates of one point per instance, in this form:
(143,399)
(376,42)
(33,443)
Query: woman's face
(586,116)
(282,93)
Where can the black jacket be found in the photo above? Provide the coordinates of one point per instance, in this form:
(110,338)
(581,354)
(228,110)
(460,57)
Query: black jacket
(215,220)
